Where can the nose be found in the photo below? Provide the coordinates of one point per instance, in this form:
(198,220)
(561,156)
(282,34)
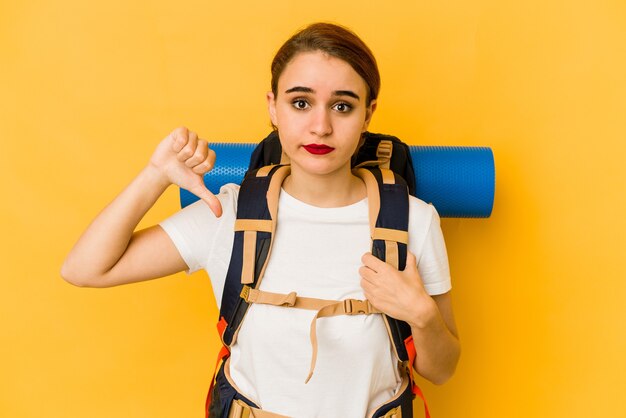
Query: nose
(321,124)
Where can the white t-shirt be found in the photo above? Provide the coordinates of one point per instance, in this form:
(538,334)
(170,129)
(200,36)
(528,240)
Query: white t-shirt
(316,253)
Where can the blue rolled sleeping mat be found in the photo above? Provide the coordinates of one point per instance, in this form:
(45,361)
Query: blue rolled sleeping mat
(458,181)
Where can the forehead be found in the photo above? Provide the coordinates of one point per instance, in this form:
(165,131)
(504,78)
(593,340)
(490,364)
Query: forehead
(321,72)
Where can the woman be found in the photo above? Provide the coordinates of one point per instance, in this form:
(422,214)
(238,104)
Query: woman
(325,84)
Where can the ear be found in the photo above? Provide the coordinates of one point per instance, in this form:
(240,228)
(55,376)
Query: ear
(369,111)
(271,107)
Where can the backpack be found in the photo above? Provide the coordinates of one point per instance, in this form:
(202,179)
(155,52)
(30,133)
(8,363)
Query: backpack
(393,154)
(254,228)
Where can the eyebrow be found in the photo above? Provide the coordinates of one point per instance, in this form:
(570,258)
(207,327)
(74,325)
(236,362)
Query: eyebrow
(301,89)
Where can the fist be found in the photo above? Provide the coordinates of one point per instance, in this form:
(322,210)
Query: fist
(183,159)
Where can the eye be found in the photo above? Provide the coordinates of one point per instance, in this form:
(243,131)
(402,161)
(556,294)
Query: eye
(342,107)
(300,104)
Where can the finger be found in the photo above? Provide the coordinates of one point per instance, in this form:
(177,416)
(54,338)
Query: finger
(367,274)
(366,259)
(199,155)
(372,295)
(189,149)
(411,261)
(411,266)
(179,138)
(206,165)
(373,262)
(209,198)
(367,289)
(202,168)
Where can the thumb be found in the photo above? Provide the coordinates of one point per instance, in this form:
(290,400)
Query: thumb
(209,198)
(410,270)
(411,261)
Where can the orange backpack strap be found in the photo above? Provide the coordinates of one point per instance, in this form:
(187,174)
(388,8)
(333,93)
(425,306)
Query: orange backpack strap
(410,349)
(224,353)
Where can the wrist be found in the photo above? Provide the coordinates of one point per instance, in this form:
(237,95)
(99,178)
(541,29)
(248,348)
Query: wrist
(425,313)
(155,177)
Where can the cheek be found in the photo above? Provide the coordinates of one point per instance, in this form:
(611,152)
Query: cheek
(351,127)
(286,117)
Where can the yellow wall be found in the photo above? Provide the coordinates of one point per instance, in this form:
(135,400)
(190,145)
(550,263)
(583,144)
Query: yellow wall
(87,89)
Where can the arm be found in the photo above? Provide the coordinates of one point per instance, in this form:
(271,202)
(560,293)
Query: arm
(401,295)
(109,252)
(436,341)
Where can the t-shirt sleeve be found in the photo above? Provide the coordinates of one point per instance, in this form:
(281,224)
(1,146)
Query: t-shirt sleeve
(195,229)
(430,249)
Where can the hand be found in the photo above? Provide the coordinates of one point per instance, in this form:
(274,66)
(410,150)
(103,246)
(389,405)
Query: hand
(399,294)
(182,159)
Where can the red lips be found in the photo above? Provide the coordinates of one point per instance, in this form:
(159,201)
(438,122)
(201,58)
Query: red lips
(318,149)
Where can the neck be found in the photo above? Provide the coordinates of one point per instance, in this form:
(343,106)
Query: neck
(328,190)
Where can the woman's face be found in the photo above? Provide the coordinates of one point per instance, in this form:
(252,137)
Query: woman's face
(320,112)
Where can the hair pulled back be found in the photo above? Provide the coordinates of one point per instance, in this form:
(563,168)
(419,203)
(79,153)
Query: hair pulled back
(336,41)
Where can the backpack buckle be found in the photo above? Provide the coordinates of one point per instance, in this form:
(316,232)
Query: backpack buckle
(245,292)
(384,150)
(356,307)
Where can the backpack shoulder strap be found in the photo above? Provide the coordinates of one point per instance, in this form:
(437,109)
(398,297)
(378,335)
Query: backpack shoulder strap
(257,208)
(388,200)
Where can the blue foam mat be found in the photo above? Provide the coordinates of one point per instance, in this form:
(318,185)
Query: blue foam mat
(458,181)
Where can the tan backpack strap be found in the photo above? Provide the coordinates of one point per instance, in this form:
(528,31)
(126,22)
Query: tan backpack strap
(274,191)
(249,255)
(240,409)
(325,308)
(264,171)
(373,196)
(384,152)
(291,300)
(284,158)
(250,227)
(394,413)
(344,307)
(383,156)
(253,225)
(390,236)
(388,176)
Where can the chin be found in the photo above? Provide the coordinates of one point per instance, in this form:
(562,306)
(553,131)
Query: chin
(319,167)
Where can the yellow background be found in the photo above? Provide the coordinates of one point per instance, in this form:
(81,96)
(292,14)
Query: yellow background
(87,89)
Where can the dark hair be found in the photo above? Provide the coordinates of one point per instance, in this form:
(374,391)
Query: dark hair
(336,41)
